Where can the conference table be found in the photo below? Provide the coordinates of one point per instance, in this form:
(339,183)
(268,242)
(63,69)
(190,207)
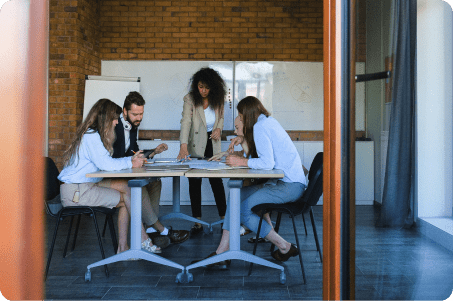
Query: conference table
(139,177)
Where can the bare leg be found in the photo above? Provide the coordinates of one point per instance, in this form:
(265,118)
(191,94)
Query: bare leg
(279,242)
(123,226)
(224,242)
(267,218)
(121,186)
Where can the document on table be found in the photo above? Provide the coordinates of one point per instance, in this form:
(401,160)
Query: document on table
(168,167)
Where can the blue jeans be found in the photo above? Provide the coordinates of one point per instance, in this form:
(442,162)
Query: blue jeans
(251,196)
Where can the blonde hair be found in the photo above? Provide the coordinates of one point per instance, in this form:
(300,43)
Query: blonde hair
(99,119)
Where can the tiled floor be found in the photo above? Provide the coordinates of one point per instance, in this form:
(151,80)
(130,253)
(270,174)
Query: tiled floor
(390,264)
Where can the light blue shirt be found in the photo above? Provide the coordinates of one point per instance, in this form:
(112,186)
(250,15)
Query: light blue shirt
(276,150)
(93,156)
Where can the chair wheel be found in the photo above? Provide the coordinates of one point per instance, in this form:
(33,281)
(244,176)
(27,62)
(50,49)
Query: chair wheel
(88,276)
(283,278)
(184,278)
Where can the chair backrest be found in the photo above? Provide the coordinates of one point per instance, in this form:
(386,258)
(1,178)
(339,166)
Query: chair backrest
(314,189)
(52,187)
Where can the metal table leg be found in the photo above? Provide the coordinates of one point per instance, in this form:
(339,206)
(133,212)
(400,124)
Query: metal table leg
(235,243)
(176,214)
(136,223)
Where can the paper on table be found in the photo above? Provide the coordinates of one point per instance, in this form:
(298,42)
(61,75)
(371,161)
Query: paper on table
(212,165)
(168,167)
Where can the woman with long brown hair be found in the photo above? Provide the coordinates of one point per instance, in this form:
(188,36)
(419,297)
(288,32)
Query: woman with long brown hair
(91,151)
(201,130)
(269,147)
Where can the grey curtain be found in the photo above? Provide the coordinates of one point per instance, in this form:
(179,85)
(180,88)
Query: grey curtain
(398,198)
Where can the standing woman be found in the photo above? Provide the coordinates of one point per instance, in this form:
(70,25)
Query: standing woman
(270,147)
(201,130)
(91,151)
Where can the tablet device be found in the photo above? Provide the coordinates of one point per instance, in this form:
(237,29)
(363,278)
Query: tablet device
(147,152)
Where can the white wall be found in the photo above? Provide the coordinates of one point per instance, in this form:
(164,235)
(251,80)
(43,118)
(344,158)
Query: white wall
(434,108)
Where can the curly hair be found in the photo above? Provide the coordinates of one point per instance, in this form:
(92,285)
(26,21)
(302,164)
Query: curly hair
(217,88)
(100,119)
(251,108)
(133,98)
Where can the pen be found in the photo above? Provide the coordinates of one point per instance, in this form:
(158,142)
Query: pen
(183,159)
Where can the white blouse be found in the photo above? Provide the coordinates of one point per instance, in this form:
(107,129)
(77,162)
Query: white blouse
(209,114)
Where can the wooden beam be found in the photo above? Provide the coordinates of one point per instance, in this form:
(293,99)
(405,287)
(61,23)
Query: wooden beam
(23,93)
(332,150)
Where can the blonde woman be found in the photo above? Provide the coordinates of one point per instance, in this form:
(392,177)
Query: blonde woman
(91,151)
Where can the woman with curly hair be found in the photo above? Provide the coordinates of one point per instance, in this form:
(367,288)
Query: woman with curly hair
(201,130)
(91,151)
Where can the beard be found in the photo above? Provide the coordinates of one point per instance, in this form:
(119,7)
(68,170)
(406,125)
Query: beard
(135,124)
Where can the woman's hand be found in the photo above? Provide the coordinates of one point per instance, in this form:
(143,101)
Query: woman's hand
(235,141)
(183,152)
(233,160)
(218,157)
(137,161)
(216,134)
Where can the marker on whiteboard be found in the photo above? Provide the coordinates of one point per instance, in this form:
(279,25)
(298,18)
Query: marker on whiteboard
(157,139)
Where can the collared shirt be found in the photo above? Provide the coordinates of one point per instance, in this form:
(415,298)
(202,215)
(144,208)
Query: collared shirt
(93,156)
(276,150)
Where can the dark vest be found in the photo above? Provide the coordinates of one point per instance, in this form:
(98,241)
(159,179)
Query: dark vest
(119,150)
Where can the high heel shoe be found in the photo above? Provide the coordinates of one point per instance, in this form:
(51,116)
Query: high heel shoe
(293,251)
(223,265)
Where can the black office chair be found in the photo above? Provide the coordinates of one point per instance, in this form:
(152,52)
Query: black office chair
(55,209)
(309,198)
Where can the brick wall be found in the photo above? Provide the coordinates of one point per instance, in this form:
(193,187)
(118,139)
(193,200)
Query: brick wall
(212,30)
(74,53)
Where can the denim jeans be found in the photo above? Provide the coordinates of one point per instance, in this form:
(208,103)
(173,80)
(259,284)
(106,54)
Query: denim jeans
(279,193)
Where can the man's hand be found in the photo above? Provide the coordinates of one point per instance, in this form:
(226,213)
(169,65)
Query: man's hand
(160,148)
(216,134)
(235,141)
(233,160)
(137,161)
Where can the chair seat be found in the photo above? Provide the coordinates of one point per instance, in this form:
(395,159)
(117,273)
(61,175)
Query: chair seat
(76,210)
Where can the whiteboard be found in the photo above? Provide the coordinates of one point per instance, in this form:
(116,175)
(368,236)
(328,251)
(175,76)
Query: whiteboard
(291,91)
(114,90)
(163,85)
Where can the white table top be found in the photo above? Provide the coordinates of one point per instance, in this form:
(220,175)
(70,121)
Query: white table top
(234,173)
(137,173)
(190,173)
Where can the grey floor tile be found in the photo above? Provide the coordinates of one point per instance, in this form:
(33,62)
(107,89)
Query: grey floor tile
(151,293)
(390,264)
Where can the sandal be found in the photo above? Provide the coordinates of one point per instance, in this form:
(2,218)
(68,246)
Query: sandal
(146,245)
(244,231)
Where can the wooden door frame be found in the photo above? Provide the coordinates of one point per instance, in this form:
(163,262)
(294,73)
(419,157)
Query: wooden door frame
(339,96)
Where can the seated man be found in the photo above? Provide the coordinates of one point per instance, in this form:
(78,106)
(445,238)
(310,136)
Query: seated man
(126,145)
